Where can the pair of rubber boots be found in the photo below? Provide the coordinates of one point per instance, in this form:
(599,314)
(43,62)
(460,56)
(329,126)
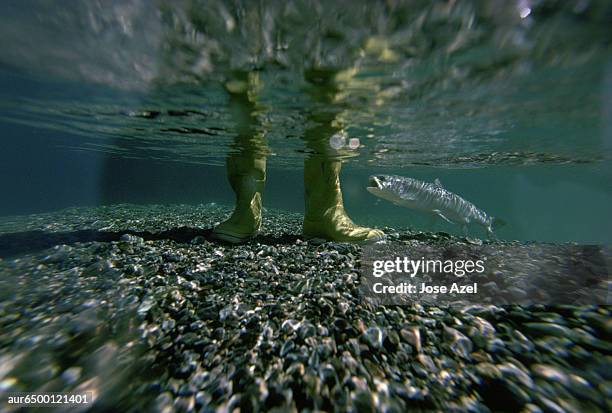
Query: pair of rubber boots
(325,217)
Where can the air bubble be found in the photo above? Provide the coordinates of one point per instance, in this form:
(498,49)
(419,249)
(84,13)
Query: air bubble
(338,140)
(354,143)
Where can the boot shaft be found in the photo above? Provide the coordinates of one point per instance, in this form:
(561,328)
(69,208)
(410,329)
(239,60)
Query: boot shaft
(322,187)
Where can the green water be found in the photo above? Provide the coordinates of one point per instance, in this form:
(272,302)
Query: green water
(507,103)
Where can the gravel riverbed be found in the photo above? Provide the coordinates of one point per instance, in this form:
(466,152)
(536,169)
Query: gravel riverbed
(138,306)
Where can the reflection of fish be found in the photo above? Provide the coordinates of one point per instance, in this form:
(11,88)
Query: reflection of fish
(429,197)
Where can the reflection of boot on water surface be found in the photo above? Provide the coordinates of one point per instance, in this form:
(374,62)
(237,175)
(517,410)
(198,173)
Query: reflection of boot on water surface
(325,216)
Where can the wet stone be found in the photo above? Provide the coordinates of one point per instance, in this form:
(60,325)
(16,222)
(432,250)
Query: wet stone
(391,341)
(427,362)
(412,336)
(512,372)
(306,330)
(459,343)
(290,325)
(548,405)
(184,404)
(488,370)
(287,347)
(146,305)
(363,402)
(373,337)
(59,254)
(548,329)
(496,346)
(72,374)
(550,373)
(163,402)
(580,387)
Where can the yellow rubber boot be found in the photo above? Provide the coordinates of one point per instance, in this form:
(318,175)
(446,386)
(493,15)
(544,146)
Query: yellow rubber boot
(325,216)
(246,167)
(247,177)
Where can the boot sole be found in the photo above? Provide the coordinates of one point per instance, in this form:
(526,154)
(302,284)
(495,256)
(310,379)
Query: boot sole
(232,238)
(320,240)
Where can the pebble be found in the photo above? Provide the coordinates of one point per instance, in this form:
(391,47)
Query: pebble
(306,330)
(550,373)
(548,329)
(373,337)
(146,305)
(459,343)
(72,374)
(427,362)
(412,336)
(512,372)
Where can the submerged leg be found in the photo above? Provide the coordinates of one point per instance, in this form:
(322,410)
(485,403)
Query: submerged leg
(325,216)
(247,177)
(246,166)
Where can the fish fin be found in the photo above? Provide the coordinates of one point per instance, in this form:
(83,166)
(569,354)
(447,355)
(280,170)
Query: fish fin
(498,223)
(441,215)
(438,183)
